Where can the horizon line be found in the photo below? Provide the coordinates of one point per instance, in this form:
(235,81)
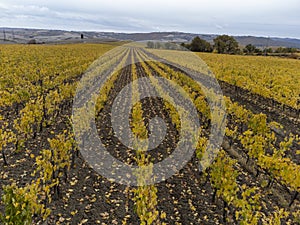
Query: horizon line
(147,32)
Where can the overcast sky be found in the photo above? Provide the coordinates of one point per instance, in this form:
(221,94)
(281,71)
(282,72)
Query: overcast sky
(256,17)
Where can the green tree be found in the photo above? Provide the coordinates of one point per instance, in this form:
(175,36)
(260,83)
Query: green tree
(168,45)
(268,50)
(225,44)
(182,44)
(157,45)
(200,45)
(185,47)
(286,50)
(249,49)
(150,44)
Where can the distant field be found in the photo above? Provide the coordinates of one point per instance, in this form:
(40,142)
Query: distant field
(271,77)
(268,76)
(22,66)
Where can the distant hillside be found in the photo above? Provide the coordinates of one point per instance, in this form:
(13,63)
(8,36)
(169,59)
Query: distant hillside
(19,35)
(263,42)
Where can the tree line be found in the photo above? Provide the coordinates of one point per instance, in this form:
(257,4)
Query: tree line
(223,44)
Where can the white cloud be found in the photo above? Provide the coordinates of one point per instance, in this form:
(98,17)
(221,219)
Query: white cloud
(205,16)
